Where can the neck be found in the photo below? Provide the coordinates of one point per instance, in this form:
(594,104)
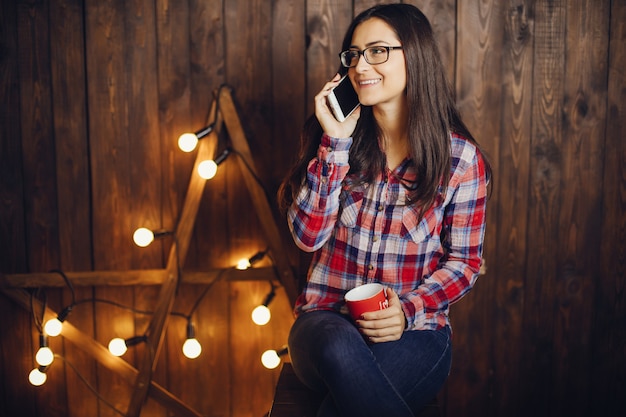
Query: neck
(393,125)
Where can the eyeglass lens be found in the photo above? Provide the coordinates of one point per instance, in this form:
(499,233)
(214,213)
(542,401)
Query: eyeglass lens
(373,55)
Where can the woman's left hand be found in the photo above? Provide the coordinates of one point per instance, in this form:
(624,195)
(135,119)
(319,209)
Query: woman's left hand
(384,325)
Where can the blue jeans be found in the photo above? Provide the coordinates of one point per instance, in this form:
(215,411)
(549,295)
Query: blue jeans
(361,379)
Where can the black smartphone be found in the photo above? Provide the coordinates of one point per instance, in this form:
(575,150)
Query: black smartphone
(342,99)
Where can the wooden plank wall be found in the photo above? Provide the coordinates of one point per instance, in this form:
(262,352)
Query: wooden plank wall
(95,94)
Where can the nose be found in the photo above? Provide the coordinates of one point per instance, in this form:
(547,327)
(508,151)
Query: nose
(361,64)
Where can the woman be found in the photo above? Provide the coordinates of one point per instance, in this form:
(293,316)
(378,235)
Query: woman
(395,194)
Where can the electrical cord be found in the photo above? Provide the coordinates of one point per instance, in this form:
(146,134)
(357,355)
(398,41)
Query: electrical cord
(88,385)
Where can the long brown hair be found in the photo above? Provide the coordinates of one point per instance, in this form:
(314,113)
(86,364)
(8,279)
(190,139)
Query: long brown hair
(432,116)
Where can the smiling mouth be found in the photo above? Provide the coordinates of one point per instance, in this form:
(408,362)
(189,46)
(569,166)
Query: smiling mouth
(369,82)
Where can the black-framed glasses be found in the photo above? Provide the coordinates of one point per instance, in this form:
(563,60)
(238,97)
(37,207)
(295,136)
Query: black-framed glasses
(373,55)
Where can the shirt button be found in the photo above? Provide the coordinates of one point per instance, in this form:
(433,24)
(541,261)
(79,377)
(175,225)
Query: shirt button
(380,207)
(329,149)
(376,238)
(370,267)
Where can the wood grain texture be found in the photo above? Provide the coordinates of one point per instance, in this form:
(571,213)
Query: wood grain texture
(480,29)
(12,226)
(582,146)
(538,352)
(96,93)
(69,99)
(42,234)
(511,203)
(609,319)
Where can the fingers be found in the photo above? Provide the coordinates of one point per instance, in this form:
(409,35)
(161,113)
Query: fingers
(384,325)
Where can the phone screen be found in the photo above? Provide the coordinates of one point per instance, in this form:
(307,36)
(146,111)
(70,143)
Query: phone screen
(343,99)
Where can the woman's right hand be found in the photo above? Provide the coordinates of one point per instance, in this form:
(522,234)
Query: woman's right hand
(331,126)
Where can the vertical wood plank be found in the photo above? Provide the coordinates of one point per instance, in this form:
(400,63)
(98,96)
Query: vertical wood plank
(326,24)
(142,131)
(80,398)
(12,233)
(584,107)
(480,28)
(69,101)
(40,192)
(288,86)
(442,16)
(609,319)
(538,354)
(512,194)
(17,358)
(110,155)
(40,204)
(202,383)
(111,161)
(247,342)
(207,44)
(174,98)
(289,102)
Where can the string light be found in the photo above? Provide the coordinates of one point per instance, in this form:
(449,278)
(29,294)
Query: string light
(53,327)
(191,347)
(271,358)
(37,376)
(187,142)
(261,315)
(208,169)
(44,355)
(119,346)
(143,237)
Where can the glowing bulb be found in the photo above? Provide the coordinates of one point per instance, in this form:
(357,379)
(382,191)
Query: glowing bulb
(207,169)
(117,346)
(192,348)
(143,237)
(261,315)
(36,377)
(243,264)
(44,356)
(270,359)
(53,327)
(187,142)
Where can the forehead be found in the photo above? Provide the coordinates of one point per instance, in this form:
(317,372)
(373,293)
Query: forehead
(373,31)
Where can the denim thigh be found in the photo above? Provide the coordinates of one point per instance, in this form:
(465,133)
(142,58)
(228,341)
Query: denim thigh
(394,378)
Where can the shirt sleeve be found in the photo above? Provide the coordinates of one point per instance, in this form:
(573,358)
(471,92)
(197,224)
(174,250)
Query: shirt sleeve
(464,229)
(312,216)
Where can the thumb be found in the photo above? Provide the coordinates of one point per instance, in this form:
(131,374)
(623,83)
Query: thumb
(392,296)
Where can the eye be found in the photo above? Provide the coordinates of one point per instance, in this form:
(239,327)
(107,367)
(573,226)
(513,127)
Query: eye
(377,50)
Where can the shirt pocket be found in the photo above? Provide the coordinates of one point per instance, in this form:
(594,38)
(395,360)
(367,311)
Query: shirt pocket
(420,231)
(350,203)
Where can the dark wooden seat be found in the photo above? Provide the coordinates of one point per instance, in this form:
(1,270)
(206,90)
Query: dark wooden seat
(294,399)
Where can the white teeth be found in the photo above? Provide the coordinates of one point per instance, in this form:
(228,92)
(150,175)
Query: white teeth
(368,82)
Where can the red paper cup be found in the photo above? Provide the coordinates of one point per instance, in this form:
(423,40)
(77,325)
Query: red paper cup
(366,298)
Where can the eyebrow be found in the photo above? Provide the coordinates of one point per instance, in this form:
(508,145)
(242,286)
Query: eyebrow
(367,45)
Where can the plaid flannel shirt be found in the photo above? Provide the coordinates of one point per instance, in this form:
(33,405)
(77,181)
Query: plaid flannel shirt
(372,234)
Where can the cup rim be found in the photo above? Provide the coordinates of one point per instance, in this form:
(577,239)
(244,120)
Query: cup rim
(363,292)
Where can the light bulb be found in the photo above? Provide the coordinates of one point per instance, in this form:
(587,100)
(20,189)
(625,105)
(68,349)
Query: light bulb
(261,315)
(192,348)
(117,346)
(243,264)
(53,327)
(143,237)
(187,142)
(207,169)
(270,359)
(44,356)
(36,377)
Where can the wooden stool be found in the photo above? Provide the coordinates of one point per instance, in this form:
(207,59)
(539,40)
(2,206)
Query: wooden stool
(294,399)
